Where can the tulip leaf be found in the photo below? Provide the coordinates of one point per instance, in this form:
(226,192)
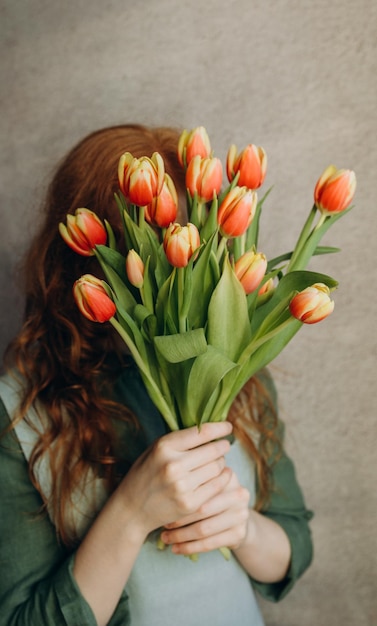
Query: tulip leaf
(110,262)
(228,320)
(262,356)
(252,234)
(210,226)
(205,376)
(205,276)
(181,346)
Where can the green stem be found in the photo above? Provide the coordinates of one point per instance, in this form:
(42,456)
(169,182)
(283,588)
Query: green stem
(156,395)
(302,238)
(181,286)
(254,345)
(221,248)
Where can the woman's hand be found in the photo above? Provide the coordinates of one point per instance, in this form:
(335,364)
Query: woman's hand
(172,479)
(177,476)
(221,521)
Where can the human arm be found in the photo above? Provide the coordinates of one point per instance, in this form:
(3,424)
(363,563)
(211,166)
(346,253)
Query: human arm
(38,584)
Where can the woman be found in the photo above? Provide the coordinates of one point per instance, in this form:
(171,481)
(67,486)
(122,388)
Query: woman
(89,475)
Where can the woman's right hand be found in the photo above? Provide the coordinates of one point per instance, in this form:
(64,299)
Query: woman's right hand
(177,475)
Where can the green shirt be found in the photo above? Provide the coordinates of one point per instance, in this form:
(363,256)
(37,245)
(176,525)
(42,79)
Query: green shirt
(37,586)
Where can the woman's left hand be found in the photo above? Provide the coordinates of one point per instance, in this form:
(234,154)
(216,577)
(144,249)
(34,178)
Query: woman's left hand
(221,521)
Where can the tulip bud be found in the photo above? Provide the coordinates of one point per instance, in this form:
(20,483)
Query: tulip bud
(141,180)
(250,269)
(250,164)
(312,304)
(237,211)
(83,232)
(193,143)
(204,176)
(334,190)
(92,299)
(135,269)
(163,209)
(267,287)
(180,242)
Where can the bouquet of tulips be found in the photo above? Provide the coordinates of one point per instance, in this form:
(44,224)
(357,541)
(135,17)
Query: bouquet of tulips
(199,307)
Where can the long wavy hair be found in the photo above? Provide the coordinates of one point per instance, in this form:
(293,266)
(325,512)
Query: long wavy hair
(62,356)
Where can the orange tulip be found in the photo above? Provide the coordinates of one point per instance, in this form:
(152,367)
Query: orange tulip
(141,180)
(267,287)
(193,143)
(251,164)
(204,176)
(312,304)
(180,242)
(83,232)
(163,209)
(92,299)
(334,190)
(250,269)
(135,269)
(236,211)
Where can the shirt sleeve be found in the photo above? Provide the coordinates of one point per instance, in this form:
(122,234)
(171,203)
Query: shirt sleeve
(288,509)
(37,585)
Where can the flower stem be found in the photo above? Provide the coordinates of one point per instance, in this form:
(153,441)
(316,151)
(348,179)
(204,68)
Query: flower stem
(181,286)
(153,389)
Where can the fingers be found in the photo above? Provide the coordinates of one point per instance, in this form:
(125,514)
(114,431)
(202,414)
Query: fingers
(223,524)
(194,437)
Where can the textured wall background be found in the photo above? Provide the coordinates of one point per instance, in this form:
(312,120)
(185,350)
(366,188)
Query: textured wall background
(296,77)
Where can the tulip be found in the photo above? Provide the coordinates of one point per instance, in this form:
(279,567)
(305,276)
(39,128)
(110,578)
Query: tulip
(250,269)
(312,304)
(135,269)
(193,143)
(237,211)
(204,177)
(267,287)
(250,164)
(163,209)
(141,180)
(83,232)
(334,190)
(180,242)
(92,299)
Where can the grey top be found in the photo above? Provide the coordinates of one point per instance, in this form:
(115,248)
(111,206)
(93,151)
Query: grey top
(165,588)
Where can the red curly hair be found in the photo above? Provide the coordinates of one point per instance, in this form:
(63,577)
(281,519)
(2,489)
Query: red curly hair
(61,355)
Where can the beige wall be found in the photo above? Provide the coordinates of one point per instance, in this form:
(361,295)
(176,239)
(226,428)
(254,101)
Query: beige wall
(297,77)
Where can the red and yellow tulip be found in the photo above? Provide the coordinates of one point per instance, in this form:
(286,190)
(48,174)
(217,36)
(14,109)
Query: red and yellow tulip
(312,304)
(334,190)
(204,177)
(236,211)
(250,164)
(141,180)
(180,243)
(162,211)
(250,269)
(193,143)
(83,231)
(92,299)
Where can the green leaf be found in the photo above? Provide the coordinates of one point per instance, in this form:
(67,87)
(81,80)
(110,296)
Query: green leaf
(181,346)
(228,320)
(204,379)
(205,276)
(253,230)
(113,266)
